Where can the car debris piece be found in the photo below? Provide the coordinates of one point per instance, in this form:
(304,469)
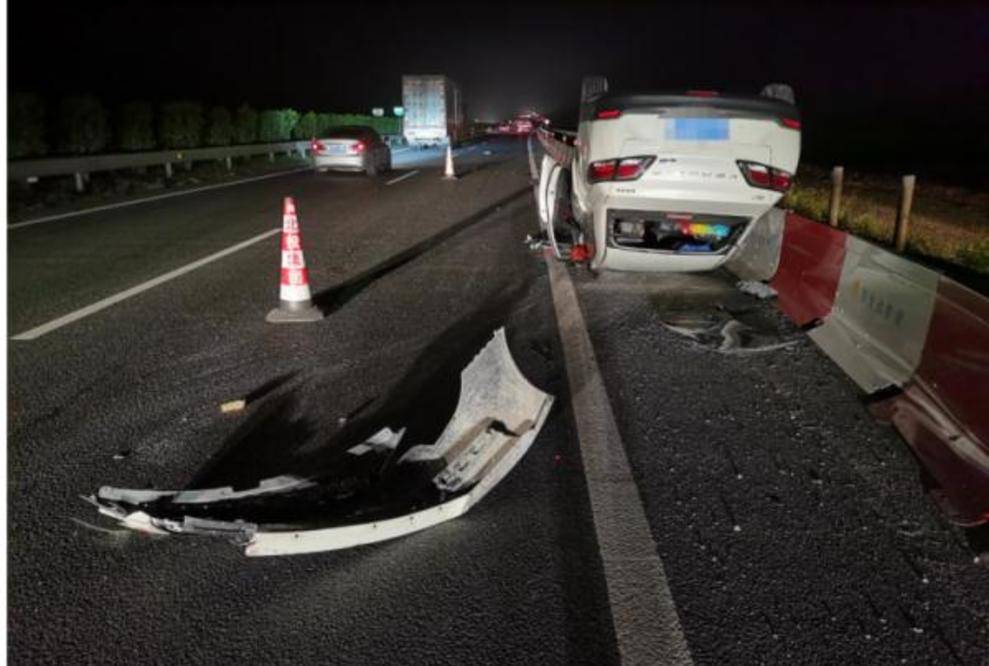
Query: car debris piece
(278,484)
(385,439)
(497,418)
(233,406)
(724,333)
(755,288)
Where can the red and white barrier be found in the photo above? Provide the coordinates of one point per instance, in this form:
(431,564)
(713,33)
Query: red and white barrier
(889,322)
(294,297)
(878,323)
(809,270)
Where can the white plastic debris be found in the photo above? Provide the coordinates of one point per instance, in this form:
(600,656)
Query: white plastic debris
(385,439)
(757,289)
(498,416)
(233,406)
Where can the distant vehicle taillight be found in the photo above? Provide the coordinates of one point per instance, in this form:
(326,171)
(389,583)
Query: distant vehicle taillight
(627,168)
(766,177)
(608,114)
(356,148)
(317,146)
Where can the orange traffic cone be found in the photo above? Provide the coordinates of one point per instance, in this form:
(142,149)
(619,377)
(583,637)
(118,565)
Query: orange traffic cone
(448,172)
(294,297)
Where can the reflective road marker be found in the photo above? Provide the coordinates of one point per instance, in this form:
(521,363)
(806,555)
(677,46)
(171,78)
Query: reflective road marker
(64,320)
(646,622)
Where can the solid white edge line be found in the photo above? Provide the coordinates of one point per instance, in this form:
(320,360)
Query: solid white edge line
(64,320)
(157,197)
(402,177)
(646,622)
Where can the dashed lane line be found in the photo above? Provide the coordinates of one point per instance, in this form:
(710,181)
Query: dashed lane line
(402,177)
(81,313)
(647,625)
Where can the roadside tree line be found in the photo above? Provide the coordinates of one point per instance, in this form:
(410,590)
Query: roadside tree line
(82,125)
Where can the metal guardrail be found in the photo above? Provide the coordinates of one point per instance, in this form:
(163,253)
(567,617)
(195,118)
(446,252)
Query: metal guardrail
(82,166)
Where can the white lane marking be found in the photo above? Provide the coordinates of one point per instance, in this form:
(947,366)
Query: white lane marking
(402,177)
(645,617)
(64,320)
(62,216)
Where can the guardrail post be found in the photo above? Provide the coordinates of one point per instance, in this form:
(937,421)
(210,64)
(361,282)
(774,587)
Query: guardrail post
(903,215)
(837,180)
(230,163)
(168,170)
(80,182)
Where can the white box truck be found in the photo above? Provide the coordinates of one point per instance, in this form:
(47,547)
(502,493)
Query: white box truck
(433,110)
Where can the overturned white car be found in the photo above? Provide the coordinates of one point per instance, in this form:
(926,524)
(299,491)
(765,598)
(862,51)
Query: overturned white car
(671,181)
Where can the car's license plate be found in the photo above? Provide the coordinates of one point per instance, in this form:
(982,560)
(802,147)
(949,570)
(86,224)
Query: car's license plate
(697,129)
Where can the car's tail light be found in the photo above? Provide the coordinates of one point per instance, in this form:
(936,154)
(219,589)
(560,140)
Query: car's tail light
(317,146)
(356,148)
(781,180)
(604,170)
(608,114)
(792,123)
(766,177)
(627,168)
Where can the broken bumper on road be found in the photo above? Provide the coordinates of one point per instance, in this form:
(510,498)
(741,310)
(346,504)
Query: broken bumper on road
(498,416)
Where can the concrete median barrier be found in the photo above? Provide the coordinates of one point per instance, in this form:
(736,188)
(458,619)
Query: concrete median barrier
(809,269)
(878,323)
(892,324)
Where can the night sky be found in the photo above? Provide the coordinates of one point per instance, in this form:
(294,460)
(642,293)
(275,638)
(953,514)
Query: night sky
(883,73)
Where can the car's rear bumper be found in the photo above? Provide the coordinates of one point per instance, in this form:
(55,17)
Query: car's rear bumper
(339,162)
(648,261)
(612,255)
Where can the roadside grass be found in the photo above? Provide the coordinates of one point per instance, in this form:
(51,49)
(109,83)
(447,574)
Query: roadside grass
(947,224)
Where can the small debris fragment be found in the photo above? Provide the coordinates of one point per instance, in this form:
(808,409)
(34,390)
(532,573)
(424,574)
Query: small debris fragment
(233,406)
(342,421)
(737,528)
(535,243)
(120,455)
(755,288)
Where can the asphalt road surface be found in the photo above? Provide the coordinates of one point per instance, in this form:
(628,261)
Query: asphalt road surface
(790,525)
